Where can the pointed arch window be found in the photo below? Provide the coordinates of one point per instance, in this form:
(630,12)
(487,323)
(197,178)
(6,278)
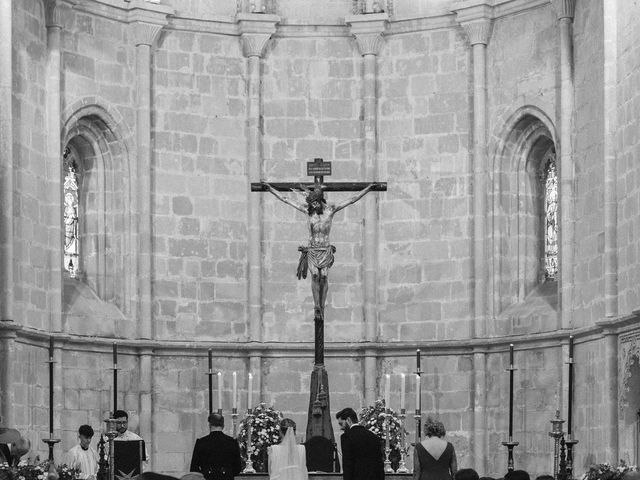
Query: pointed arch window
(70,214)
(550,189)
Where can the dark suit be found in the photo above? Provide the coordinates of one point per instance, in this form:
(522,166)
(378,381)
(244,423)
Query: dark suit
(216,456)
(361,454)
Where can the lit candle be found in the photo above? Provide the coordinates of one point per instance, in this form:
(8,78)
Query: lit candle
(51,348)
(210,360)
(418,393)
(402,392)
(418,359)
(115,354)
(249,392)
(234,399)
(387,389)
(219,390)
(511,355)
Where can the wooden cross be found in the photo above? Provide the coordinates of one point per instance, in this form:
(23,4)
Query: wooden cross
(318,169)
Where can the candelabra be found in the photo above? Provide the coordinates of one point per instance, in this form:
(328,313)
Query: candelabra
(234,421)
(249,466)
(103,463)
(402,468)
(569,464)
(556,433)
(387,445)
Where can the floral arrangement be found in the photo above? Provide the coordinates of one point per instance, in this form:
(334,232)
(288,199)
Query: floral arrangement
(605,471)
(36,472)
(265,431)
(373,418)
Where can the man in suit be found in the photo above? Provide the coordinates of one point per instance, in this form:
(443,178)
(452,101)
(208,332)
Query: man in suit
(216,456)
(361,449)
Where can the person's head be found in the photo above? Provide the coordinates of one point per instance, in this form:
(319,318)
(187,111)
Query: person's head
(315,201)
(122,421)
(346,418)
(516,475)
(466,474)
(546,476)
(434,428)
(216,421)
(285,425)
(85,434)
(491,478)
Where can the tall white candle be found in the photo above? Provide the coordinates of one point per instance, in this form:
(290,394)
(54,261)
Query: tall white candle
(219,390)
(387,389)
(417,392)
(250,387)
(402,392)
(234,399)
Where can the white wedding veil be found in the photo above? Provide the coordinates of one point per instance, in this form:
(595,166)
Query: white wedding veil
(287,460)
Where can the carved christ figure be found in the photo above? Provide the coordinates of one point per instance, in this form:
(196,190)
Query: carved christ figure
(317,256)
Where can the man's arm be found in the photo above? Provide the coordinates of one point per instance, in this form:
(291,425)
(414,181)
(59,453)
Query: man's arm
(282,198)
(354,199)
(347,457)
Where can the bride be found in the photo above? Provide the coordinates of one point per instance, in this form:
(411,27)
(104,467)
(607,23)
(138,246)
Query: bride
(287,461)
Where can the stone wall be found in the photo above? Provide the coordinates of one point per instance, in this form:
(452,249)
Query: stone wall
(628,146)
(588,154)
(31,205)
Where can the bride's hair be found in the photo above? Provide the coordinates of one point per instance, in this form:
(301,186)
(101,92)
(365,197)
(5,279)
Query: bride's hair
(285,424)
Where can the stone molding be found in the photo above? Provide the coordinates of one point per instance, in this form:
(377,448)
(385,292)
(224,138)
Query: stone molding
(368,31)
(565,8)
(52,13)
(475,17)
(9,329)
(255,31)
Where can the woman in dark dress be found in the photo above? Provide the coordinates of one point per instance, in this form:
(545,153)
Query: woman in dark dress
(434,458)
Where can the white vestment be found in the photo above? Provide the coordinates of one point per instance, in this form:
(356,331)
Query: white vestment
(84,460)
(288,461)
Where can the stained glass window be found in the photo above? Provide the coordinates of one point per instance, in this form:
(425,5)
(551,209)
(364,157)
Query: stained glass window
(550,179)
(71,244)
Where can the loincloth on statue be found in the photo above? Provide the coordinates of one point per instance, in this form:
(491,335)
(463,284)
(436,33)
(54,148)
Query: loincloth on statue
(319,257)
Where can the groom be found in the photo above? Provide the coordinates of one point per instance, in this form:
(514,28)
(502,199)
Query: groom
(361,449)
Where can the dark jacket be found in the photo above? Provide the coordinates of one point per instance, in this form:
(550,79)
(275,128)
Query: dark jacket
(216,456)
(361,455)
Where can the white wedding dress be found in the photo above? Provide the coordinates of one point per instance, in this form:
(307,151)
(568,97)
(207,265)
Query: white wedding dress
(288,461)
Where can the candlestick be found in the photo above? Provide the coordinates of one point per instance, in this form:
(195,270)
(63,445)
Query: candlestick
(387,445)
(51,387)
(234,399)
(570,394)
(511,370)
(210,360)
(115,376)
(219,392)
(402,467)
(570,347)
(418,393)
(115,354)
(387,390)
(249,393)
(402,392)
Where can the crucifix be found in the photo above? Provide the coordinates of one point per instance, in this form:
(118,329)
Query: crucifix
(317,257)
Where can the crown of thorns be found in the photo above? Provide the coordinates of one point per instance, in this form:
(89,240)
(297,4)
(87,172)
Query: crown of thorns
(315,195)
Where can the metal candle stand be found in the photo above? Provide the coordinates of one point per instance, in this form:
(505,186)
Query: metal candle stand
(387,445)
(234,421)
(556,433)
(111,433)
(510,444)
(402,468)
(51,441)
(249,466)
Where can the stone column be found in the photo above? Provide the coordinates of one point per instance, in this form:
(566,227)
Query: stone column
(368,31)
(54,165)
(476,18)
(8,335)
(255,32)
(146,22)
(566,171)
(609,418)
(6,162)
(610,160)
